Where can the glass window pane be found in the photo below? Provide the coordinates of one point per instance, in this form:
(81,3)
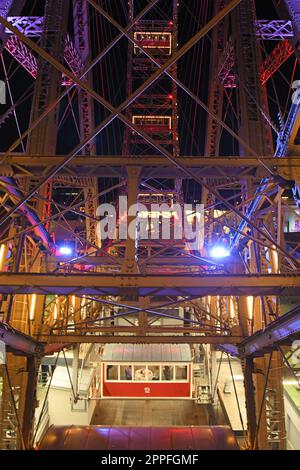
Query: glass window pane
(168,373)
(180,372)
(153,373)
(111,372)
(126,372)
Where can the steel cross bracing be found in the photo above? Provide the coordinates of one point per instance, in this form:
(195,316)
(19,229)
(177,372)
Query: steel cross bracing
(86,107)
(275,60)
(276,30)
(33,27)
(29,62)
(287,139)
(135,284)
(42,139)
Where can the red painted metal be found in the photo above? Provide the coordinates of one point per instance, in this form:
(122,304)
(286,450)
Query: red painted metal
(275,60)
(282,52)
(139,438)
(146,390)
(160,37)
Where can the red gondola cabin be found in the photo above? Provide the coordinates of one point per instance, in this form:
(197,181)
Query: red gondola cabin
(147,371)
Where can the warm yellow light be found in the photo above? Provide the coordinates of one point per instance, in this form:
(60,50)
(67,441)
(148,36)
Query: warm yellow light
(55,312)
(152,120)
(275,259)
(231,308)
(32,307)
(250,303)
(3,252)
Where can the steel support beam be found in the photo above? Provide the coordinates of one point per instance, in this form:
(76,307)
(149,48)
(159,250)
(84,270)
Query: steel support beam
(282,330)
(250,400)
(117,111)
(34,165)
(18,342)
(175,339)
(110,284)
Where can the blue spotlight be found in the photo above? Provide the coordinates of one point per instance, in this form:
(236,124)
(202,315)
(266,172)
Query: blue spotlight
(219,251)
(65,250)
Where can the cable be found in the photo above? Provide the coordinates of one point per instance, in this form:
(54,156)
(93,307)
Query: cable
(72,387)
(14,406)
(45,401)
(12,102)
(236,395)
(217,377)
(262,403)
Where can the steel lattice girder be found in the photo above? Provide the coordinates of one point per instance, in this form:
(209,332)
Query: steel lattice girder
(19,342)
(283,51)
(29,62)
(163,285)
(283,329)
(274,30)
(117,112)
(32,26)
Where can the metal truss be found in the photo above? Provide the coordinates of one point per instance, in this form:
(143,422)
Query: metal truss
(283,330)
(31,26)
(274,30)
(221,316)
(275,60)
(266,30)
(23,55)
(29,62)
(18,342)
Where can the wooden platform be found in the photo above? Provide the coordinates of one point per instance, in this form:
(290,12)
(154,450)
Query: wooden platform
(150,413)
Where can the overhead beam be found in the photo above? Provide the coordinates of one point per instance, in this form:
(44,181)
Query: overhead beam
(283,329)
(74,339)
(163,285)
(103,261)
(107,165)
(19,343)
(149,160)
